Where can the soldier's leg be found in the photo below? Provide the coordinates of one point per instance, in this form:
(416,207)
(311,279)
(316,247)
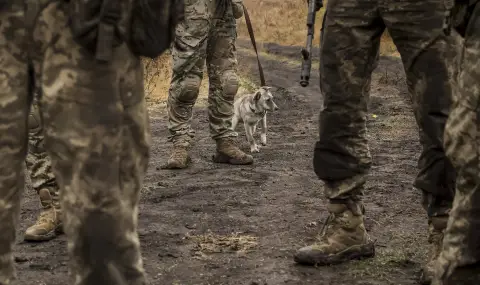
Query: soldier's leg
(188,54)
(39,167)
(97,135)
(420,38)
(14,101)
(459,261)
(223,86)
(351,38)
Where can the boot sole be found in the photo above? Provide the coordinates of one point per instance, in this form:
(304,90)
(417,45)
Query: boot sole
(49,236)
(46,237)
(222,158)
(353,253)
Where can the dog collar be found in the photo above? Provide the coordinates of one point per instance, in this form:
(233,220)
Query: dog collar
(255,111)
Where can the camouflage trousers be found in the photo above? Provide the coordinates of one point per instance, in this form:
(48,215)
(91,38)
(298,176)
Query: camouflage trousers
(459,263)
(96,133)
(204,36)
(39,164)
(349,49)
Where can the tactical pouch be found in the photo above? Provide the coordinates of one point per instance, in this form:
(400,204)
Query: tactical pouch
(237,8)
(153,26)
(94,25)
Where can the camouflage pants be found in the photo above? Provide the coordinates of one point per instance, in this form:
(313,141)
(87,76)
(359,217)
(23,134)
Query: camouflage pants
(96,133)
(350,44)
(203,37)
(459,263)
(39,164)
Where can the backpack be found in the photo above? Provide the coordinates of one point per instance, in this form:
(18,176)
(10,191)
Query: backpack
(153,25)
(99,25)
(4,4)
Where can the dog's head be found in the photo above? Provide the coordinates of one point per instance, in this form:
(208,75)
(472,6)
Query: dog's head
(264,99)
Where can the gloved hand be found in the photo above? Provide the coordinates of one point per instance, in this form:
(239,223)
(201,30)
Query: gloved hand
(237,8)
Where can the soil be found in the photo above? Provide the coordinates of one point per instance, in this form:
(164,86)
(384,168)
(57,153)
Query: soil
(220,224)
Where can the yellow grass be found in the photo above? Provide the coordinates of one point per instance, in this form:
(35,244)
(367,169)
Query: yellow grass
(278,21)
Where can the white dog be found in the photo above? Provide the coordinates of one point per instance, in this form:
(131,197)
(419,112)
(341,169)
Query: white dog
(252,108)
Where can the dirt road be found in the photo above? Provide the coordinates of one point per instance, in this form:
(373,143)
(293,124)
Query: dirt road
(214,224)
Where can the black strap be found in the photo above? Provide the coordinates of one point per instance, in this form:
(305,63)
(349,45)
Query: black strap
(252,38)
(255,110)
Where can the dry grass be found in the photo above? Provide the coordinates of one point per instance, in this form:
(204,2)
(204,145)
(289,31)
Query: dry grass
(279,21)
(212,243)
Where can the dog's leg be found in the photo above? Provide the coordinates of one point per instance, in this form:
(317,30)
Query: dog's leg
(263,134)
(251,140)
(234,122)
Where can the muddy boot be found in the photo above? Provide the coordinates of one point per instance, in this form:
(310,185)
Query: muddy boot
(343,238)
(49,222)
(179,159)
(228,152)
(436,230)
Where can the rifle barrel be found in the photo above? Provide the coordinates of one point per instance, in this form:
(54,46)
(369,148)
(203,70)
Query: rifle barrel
(307,51)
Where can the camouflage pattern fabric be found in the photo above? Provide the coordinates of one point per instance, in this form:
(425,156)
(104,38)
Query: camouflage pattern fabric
(349,50)
(204,36)
(459,262)
(96,133)
(39,164)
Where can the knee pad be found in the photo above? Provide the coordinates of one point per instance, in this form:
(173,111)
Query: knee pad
(230,83)
(189,89)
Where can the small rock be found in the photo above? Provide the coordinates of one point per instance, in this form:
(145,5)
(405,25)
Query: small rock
(191,226)
(196,209)
(21,259)
(40,266)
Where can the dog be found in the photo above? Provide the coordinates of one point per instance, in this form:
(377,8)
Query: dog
(251,109)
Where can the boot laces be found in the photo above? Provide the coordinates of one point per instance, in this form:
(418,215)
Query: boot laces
(327,224)
(178,153)
(46,216)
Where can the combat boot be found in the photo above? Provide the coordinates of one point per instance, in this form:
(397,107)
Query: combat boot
(436,231)
(49,222)
(180,158)
(228,152)
(343,237)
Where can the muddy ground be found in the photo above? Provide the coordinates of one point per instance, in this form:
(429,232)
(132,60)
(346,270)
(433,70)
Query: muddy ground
(213,224)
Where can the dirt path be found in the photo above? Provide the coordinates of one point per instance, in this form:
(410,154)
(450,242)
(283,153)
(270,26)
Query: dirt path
(215,224)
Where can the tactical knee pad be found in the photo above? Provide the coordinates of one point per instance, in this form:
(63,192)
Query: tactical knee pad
(189,89)
(230,83)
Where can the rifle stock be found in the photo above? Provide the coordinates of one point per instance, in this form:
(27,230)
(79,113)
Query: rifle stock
(313,7)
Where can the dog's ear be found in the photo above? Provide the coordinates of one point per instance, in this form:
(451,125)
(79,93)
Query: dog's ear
(257,96)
